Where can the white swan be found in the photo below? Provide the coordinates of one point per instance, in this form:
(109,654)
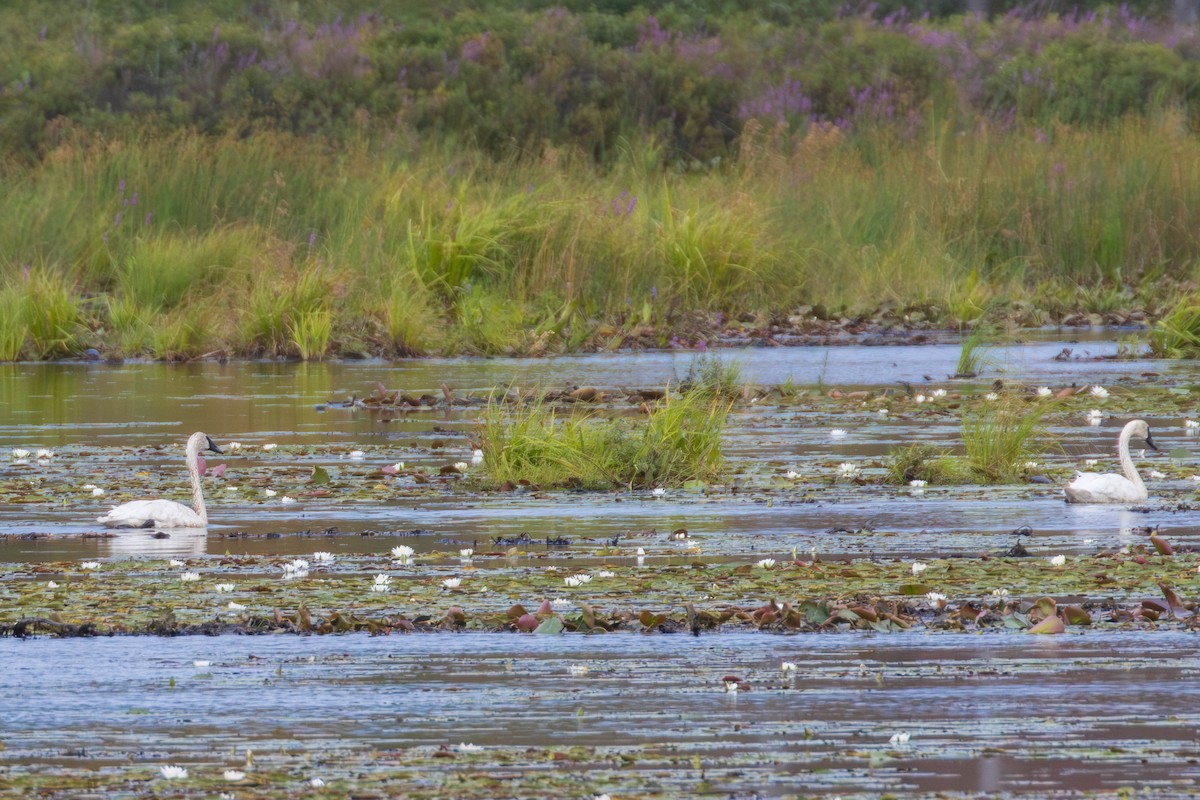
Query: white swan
(1095,487)
(168,513)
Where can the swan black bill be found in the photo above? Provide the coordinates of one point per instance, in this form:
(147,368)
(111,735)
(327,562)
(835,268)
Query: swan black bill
(213,447)
(1150,442)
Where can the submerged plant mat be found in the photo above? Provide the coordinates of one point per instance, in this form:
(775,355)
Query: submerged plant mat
(506,592)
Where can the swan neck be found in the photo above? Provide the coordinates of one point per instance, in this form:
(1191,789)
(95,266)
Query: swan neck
(193,465)
(1127,460)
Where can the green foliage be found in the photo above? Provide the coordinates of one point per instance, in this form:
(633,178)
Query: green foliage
(12,324)
(973,354)
(1177,335)
(51,314)
(714,376)
(678,441)
(1000,437)
(935,466)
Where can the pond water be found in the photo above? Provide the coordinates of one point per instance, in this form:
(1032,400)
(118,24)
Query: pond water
(1003,714)
(1030,715)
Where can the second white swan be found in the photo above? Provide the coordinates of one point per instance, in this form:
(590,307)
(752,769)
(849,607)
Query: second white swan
(1096,487)
(168,513)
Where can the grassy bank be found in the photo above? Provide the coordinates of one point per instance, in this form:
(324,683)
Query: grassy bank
(178,246)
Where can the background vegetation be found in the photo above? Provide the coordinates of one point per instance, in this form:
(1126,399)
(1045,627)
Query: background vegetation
(306,180)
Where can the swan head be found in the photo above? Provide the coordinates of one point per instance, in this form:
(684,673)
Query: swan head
(202,441)
(211,445)
(1141,430)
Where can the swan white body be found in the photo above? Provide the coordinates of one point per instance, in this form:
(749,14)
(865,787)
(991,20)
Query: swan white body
(1096,487)
(168,513)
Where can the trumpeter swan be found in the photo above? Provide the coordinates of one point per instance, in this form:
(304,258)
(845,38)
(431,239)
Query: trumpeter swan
(1094,487)
(168,513)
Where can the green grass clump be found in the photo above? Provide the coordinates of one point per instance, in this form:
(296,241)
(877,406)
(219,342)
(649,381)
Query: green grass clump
(52,316)
(12,325)
(973,355)
(934,465)
(1177,335)
(678,441)
(714,376)
(1000,437)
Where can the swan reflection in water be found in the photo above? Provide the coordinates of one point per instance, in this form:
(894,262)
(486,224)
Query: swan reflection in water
(146,543)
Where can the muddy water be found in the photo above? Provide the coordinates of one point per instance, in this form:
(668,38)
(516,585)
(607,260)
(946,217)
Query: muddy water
(1023,715)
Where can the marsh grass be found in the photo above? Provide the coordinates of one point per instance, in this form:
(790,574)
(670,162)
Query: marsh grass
(1000,437)
(710,374)
(934,465)
(13,329)
(973,355)
(678,441)
(1177,335)
(52,316)
(503,250)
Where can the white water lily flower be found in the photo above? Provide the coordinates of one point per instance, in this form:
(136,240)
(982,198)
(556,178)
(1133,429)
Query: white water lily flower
(837,433)
(572,581)
(1098,391)
(899,738)
(787,666)
(286,500)
(604,573)
(847,469)
(918,567)
(270,492)
(1157,475)
(477,456)
(560,602)
(1192,425)
(402,553)
(231,488)
(731,687)
(399,465)
(883,412)
(1058,560)
(452,583)
(19,454)
(939,392)
(173,773)
(234,446)
(316,783)
(1095,413)
(45,455)
(223,588)
(659,492)
(461,466)
(578,669)
(920,398)
(1044,391)
(175,562)
(791,475)
(235,606)
(467,552)
(1091,462)
(935,597)
(917,485)
(201,664)
(51,585)
(999,592)
(87,487)
(766,563)
(269,447)
(356,455)
(991,397)
(463,747)
(97,492)
(382,583)
(641,551)
(234,775)
(89,565)
(188,577)
(322,556)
